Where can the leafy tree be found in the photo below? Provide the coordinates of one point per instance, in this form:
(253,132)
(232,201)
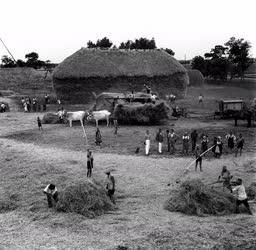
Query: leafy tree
(32,60)
(199,63)
(20,63)
(7,62)
(170,51)
(141,43)
(103,43)
(238,54)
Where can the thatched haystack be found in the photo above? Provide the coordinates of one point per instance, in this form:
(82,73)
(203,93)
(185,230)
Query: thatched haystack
(137,113)
(88,198)
(113,70)
(196,78)
(24,80)
(195,198)
(51,118)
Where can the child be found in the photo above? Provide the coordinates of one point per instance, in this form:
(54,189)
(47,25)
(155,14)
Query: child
(115,126)
(51,194)
(198,158)
(110,186)
(89,163)
(239,144)
(39,122)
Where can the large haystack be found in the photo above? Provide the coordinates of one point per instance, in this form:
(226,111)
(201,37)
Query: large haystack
(113,70)
(137,113)
(25,81)
(88,198)
(196,78)
(195,198)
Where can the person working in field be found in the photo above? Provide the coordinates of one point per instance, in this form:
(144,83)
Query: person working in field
(173,139)
(98,139)
(39,123)
(193,136)
(185,140)
(226,177)
(51,194)
(160,139)
(241,196)
(147,142)
(239,144)
(110,186)
(200,99)
(115,126)
(89,163)
(231,141)
(204,143)
(147,88)
(198,158)
(218,147)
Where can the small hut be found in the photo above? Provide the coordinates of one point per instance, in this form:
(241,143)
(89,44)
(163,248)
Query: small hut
(196,78)
(113,70)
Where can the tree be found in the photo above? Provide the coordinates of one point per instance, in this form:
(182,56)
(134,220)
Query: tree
(170,51)
(199,63)
(238,54)
(141,43)
(7,62)
(103,43)
(32,60)
(20,63)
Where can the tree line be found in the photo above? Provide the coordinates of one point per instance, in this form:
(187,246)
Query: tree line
(32,60)
(231,59)
(140,43)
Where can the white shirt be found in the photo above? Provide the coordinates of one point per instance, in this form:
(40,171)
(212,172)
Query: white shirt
(240,192)
(49,191)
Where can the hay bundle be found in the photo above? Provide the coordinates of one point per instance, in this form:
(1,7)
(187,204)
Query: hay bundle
(195,198)
(51,118)
(88,198)
(137,113)
(195,77)
(7,109)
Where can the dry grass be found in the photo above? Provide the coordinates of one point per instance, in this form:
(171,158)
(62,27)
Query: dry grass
(88,198)
(195,77)
(195,198)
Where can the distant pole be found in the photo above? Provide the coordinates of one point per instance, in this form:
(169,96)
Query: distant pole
(8,50)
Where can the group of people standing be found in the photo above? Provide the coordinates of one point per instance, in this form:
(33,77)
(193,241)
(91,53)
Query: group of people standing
(234,144)
(33,104)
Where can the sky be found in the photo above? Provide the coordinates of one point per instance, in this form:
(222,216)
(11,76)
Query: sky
(56,29)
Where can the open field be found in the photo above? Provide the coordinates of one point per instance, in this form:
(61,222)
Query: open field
(30,159)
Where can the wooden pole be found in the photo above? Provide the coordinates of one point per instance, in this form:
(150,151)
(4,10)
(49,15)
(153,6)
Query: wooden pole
(8,51)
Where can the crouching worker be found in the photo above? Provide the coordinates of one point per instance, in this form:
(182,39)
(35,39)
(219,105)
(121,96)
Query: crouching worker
(51,194)
(110,186)
(226,177)
(241,196)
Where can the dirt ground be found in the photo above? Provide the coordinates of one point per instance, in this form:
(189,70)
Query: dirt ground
(30,159)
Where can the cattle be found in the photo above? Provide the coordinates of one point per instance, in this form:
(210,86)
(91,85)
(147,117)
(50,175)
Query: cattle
(99,115)
(73,116)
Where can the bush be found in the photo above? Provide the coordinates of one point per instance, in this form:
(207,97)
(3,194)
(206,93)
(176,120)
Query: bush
(195,198)
(50,118)
(137,113)
(88,198)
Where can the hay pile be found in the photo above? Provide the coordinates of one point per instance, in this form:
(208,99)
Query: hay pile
(88,198)
(195,198)
(195,77)
(137,113)
(7,106)
(50,118)
(7,202)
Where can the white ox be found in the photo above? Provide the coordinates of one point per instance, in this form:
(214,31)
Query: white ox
(73,116)
(99,115)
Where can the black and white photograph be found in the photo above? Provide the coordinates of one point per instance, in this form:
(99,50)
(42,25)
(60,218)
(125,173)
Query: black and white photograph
(128,125)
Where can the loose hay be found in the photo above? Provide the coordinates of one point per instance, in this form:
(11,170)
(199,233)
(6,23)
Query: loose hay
(8,203)
(50,118)
(88,198)
(251,191)
(195,198)
(137,113)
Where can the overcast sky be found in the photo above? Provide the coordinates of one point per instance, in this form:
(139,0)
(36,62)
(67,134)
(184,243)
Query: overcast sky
(57,28)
